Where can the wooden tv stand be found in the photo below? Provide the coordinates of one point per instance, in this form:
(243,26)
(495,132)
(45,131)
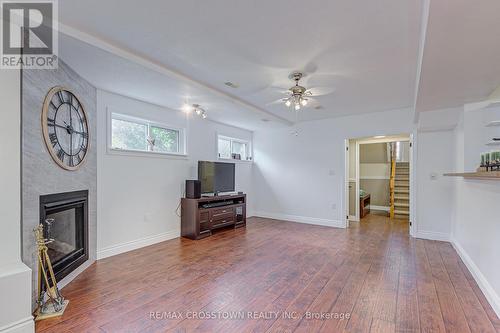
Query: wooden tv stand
(199,217)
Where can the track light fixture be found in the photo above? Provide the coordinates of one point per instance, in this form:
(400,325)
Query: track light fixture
(196,108)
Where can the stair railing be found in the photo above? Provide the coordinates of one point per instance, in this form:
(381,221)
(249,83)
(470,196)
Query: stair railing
(392,182)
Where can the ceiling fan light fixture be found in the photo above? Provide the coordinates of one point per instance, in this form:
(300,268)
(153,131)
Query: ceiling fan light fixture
(288,103)
(297,106)
(303,102)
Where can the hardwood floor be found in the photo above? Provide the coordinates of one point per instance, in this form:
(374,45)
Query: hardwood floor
(370,277)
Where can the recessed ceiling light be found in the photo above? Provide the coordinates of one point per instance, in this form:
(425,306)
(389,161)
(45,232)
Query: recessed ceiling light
(232,84)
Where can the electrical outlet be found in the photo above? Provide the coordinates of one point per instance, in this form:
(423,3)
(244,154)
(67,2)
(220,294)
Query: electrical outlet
(334,206)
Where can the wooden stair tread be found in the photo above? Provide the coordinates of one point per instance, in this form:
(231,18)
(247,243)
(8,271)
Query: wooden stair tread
(400,189)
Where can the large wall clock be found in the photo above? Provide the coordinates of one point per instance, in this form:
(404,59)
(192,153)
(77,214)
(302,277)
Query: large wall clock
(65,128)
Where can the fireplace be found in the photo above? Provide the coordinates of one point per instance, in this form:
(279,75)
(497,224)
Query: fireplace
(65,221)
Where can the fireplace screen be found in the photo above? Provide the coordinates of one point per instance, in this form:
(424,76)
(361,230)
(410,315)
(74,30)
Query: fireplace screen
(64,217)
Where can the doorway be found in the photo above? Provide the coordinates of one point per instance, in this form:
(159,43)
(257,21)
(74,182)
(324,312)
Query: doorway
(378,178)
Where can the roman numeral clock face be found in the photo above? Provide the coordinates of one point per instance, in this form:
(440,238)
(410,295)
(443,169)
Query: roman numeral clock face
(65,128)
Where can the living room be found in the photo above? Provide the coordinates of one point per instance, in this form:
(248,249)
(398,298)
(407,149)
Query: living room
(182,163)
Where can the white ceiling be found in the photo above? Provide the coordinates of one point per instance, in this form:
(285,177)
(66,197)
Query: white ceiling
(461,62)
(365,50)
(130,78)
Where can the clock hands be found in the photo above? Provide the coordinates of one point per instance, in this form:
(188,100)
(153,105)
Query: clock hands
(81,133)
(70,137)
(68,128)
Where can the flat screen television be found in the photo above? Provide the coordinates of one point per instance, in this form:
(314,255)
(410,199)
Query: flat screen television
(216,177)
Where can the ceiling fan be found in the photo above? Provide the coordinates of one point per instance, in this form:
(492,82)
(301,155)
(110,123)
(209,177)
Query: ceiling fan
(299,96)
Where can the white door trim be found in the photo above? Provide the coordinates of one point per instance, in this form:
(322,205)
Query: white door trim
(413,185)
(346,182)
(358,217)
(413,178)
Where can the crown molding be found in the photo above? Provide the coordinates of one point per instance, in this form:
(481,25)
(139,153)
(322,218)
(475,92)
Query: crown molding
(153,65)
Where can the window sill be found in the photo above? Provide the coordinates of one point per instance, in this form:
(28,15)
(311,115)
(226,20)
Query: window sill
(139,153)
(233,160)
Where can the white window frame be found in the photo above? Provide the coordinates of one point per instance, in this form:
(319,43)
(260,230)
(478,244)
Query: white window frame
(248,143)
(149,123)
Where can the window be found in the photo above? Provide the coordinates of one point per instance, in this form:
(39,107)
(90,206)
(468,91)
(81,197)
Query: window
(133,134)
(235,149)
(224,148)
(129,135)
(166,140)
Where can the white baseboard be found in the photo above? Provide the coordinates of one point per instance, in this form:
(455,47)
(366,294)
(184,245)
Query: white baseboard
(433,235)
(136,244)
(302,219)
(488,291)
(381,208)
(26,325)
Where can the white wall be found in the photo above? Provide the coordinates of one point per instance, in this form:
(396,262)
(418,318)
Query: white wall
(476,135)
(301,178)
(476,219)
(15,277)
(10,154)
(138,195)
(434,191)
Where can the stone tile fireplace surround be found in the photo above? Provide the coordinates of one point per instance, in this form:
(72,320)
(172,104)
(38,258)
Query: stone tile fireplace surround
(41,176)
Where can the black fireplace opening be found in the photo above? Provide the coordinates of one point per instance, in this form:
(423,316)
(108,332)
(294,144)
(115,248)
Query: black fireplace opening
(65,223)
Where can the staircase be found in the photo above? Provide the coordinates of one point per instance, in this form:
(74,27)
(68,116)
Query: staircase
(401,203)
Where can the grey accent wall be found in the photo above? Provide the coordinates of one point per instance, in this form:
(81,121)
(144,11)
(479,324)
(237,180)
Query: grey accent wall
(352,198)
(379,190)
(373,153)
(375,167)
(40,174)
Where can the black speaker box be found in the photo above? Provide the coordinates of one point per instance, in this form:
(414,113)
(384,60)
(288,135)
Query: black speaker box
(193,189)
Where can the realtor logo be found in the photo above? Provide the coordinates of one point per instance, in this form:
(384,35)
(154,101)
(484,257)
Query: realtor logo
(29,34)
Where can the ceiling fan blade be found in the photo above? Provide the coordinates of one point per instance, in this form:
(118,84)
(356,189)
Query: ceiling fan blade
(278,101)
(320,91)
(312,103)
(280,90)
(323,80)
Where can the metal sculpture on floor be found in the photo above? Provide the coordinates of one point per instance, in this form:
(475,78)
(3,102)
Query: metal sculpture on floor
(50,302)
